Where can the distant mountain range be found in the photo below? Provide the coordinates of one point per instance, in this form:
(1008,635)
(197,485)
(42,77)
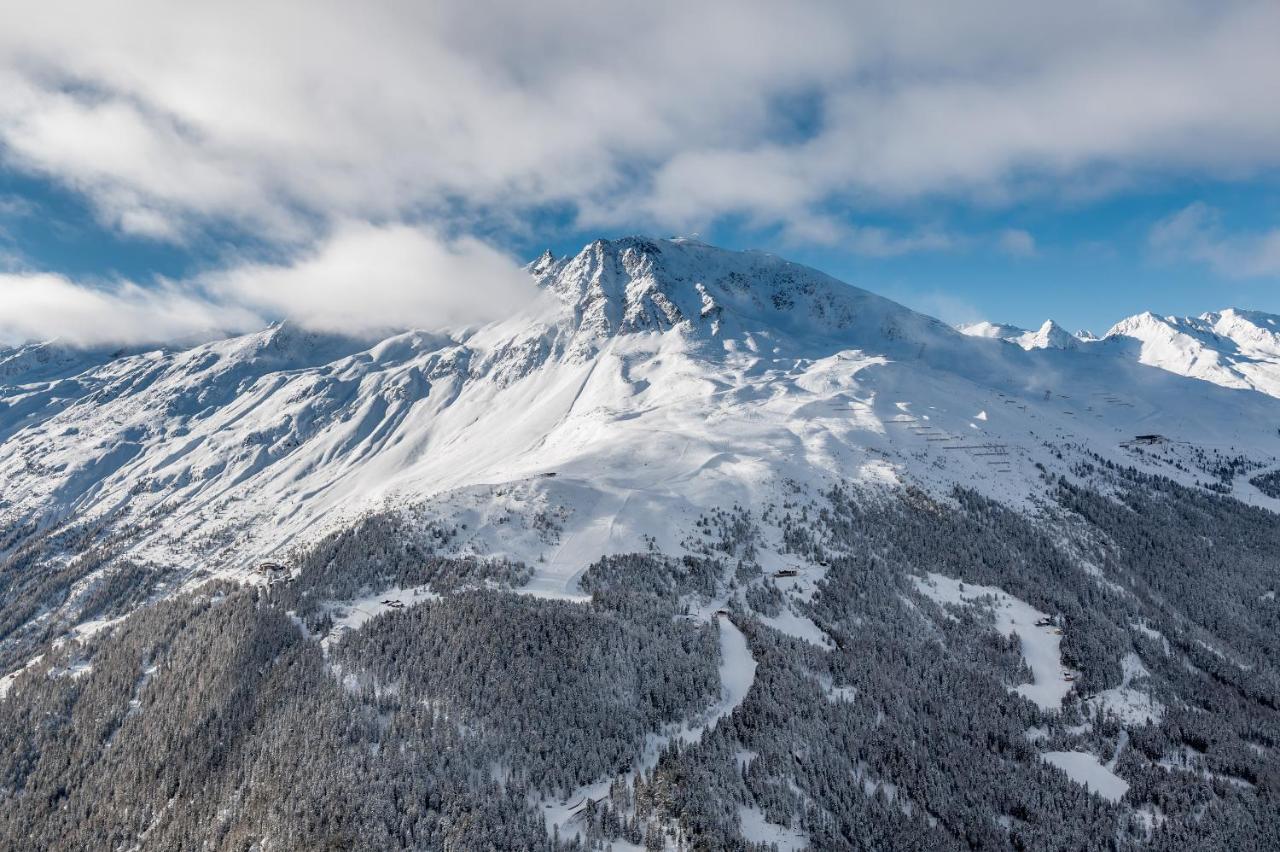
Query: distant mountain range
(1232,348)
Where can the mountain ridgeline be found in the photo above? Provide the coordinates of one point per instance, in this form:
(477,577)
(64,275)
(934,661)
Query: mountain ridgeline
(699,550)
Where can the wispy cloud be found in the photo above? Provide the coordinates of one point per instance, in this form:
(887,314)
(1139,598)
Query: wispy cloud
(1016,242)
(946,306)
(1197,233)
(870,240)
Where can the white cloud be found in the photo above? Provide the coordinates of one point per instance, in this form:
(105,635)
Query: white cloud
(366,278)
(1196,233)
(361,279)
(35,306)
(291,115)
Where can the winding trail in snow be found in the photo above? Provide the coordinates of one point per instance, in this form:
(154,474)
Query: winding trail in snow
(1013,617)
(737,674)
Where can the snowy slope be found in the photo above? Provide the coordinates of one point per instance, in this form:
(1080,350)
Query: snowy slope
(996,330)
(654,378)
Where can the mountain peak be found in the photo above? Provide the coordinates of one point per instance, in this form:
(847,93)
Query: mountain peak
(545,261)
(1049,336)
(641,284)
(1137,323)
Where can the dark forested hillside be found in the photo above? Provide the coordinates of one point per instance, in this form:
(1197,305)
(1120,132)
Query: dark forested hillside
(236,718)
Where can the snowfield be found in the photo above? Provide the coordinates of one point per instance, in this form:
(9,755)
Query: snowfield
(1085,769)
(757,828)
(1126,702)
(351,615)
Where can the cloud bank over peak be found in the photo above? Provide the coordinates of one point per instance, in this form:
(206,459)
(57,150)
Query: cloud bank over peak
(43,306)
(360,279)
(368,278)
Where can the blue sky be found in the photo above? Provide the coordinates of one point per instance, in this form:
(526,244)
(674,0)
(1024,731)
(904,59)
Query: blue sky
(178,171)
(1087,265)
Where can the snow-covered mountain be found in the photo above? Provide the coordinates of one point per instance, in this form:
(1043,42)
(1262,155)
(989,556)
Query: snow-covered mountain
(1232,348)
(685,496)
(654,377)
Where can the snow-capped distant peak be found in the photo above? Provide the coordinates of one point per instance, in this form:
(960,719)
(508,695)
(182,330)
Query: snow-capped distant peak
(1252,331)
(542,265)
(1049,336)
(1139,325)
(1233,348)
